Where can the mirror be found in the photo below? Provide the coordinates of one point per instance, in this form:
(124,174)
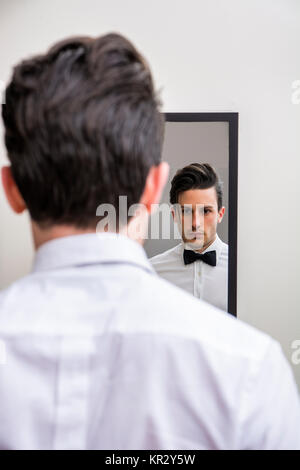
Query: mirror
(199,138)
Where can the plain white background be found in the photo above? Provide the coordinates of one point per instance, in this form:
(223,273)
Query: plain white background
(206,56)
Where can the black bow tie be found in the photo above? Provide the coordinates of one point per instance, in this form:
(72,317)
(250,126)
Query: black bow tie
(189,256)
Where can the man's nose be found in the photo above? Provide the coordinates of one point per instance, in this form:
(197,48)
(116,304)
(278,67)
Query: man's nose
(197,220)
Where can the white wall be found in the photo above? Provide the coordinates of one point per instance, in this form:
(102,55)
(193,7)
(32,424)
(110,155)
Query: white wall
(212,55)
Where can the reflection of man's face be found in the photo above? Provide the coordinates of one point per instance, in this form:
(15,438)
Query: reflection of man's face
(199,216)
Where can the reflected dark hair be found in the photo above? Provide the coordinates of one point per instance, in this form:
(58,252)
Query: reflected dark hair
(82,126)
(195,176)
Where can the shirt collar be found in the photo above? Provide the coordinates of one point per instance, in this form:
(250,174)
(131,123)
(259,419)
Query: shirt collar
(90,248)
(216,245)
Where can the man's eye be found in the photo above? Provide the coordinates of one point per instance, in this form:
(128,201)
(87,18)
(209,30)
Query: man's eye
(206,210)
(186,211)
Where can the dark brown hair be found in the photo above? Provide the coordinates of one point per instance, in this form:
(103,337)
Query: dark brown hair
(195,176)
(82,126)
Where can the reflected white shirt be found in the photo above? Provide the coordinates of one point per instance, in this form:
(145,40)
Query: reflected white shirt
(101,353)
(209,283)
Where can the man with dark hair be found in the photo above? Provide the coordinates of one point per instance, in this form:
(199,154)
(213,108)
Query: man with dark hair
(101,353)
(199,263)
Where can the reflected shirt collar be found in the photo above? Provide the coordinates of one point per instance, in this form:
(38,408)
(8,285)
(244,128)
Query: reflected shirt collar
(88,249)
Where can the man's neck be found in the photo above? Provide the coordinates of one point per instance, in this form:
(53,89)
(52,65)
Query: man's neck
(41,236)
(207,245)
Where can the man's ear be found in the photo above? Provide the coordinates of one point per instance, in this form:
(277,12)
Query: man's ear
(221,214)
(11,191)
(154,186)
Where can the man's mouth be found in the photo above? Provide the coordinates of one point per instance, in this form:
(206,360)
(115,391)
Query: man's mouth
(196,235)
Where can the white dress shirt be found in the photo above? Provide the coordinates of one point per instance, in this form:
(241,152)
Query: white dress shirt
(209,283)
(101,353)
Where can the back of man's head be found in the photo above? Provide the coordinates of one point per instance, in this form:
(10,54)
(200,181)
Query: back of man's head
(82,126)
